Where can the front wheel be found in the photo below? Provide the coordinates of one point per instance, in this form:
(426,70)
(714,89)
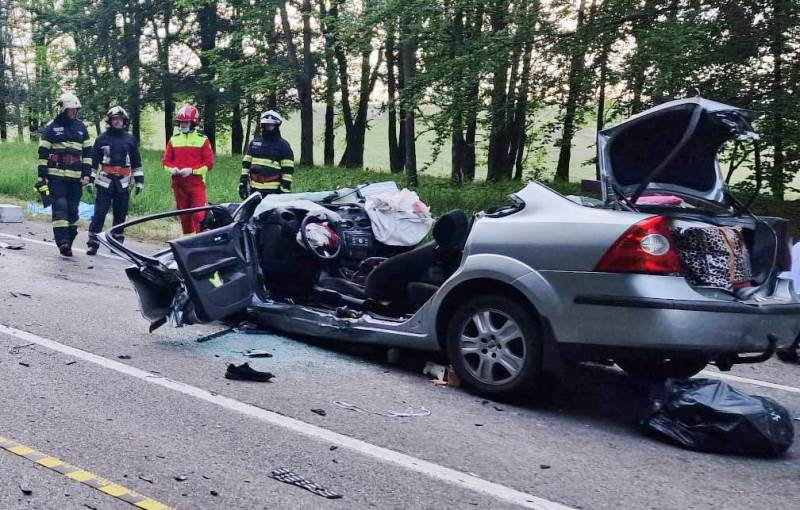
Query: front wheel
(495,346)
(659,369)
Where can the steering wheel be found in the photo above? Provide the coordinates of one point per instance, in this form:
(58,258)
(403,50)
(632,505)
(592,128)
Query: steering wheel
(323,252)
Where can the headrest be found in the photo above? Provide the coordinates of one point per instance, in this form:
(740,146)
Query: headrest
(450,230)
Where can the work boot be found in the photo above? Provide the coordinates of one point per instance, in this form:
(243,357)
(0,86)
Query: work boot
(92,249)
(65,250)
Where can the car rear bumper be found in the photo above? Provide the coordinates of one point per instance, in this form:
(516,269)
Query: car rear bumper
(688,305)
(630,311)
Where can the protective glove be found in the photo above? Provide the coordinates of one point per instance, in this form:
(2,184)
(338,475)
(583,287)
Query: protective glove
(138,188)
(185,172)
(244,184)
(44,191)
(86,180)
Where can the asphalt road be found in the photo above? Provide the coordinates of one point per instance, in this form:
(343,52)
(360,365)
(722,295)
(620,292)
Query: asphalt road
(167,412)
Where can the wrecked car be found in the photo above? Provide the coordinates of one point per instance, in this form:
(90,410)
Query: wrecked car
(513,291)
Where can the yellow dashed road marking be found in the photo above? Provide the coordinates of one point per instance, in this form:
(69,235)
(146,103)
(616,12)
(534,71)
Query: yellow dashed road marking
(83,476)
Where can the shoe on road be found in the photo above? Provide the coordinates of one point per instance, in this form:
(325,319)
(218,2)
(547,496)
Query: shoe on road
(245,372)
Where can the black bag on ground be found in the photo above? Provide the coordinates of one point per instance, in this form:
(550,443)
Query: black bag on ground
(711,416)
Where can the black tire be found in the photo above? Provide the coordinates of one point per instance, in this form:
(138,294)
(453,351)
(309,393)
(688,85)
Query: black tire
(655,369)
(526,346)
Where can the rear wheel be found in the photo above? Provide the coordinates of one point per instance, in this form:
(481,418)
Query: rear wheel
(495,346)
(659,369)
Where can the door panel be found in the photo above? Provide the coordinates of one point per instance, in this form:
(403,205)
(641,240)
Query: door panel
(217,269)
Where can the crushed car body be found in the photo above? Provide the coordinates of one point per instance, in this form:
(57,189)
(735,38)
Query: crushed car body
(509,292)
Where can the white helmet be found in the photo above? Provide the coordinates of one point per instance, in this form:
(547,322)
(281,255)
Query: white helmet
(67,101)
(271,117)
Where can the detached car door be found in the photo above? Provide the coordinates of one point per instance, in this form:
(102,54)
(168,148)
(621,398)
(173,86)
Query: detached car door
(218,270)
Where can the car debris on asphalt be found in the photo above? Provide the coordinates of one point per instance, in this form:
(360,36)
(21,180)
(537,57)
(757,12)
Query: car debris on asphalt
(409,413)
(442,376)
(11,246)
(287,476)
(257,353)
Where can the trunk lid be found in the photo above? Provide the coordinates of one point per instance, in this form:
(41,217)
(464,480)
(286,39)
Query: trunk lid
(671,148)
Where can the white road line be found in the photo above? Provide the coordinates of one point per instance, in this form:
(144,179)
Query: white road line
(36,241)
(745,380)
(445,474)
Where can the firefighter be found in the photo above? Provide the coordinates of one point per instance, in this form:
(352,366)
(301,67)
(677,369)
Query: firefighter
(268,163)
(65,157)
(115,159)
(189,158)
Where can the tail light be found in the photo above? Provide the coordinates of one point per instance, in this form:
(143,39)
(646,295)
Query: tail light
(646,247)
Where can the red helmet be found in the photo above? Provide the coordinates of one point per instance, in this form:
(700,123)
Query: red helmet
(188,113)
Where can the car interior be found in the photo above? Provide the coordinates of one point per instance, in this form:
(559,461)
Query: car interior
(360,273)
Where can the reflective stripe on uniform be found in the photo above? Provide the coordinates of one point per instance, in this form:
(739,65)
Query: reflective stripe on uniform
(87,143)
(287,177)
(287,163)
(43,162)
(60,224)
(86,161)
(269,163)
(245,171)
(203,170)
(137,172)
(61,172)
(44,144)
(265,185)
(68,145)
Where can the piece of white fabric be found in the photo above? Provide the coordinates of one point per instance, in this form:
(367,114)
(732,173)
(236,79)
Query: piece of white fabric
(794,273)
(398,218)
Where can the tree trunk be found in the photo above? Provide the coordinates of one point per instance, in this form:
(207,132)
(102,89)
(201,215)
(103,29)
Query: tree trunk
(306,100)
(517,145)
(3,85)
(573,97)
(601,96)
(409,48)
(777,49)
(132,33)
(640,58)
(458,144)
(304,74)
(330,82)
(356,127)
(395,159)
(496,167)
(401,86)
(207,18)
(237,132)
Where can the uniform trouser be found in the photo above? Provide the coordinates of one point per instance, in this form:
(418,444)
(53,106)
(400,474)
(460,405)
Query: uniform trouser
(66,195)
(187,195)
(114,198)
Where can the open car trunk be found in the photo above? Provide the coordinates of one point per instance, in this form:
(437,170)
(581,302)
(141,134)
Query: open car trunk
(664,161)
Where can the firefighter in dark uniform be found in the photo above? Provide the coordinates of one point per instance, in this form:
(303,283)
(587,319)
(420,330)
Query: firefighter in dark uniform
(115,160)
(268,163)
(65,157)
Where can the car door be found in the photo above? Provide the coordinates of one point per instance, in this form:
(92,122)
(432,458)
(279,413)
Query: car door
(218,269)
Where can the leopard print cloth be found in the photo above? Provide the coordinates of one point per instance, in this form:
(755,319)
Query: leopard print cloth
(714,256)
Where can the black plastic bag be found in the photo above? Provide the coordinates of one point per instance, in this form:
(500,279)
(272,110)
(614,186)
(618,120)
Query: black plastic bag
(711,416)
